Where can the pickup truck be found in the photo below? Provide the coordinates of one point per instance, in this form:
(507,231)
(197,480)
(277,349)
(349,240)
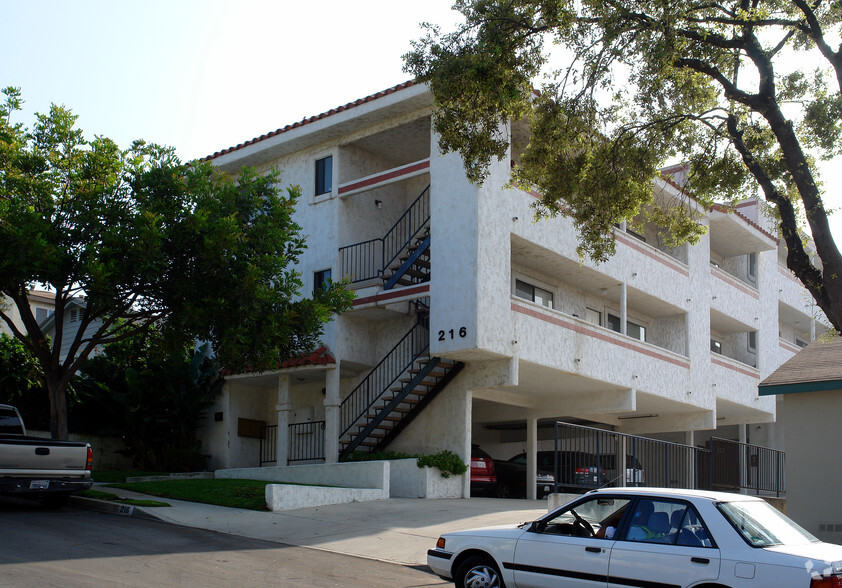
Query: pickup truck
(40,468)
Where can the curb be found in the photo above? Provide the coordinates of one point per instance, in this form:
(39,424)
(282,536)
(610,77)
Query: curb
(108,507)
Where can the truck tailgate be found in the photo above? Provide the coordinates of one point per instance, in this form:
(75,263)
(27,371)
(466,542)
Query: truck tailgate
(33,456)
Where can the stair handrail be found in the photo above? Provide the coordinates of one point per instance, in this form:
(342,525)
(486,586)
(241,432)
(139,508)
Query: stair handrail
(404,230)
(382,376)
(361,261)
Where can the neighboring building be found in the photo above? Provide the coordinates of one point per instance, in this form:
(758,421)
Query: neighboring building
(809,392)
(670,343)
(42,305)
(71,320)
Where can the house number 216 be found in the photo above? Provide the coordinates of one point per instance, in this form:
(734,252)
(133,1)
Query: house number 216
(462,332)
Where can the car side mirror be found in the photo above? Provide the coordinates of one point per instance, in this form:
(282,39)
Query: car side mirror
(537,526)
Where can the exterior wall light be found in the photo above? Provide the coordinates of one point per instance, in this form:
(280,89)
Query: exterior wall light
(378,203)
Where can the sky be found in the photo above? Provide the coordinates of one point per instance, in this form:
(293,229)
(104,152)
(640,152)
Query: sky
(205,75)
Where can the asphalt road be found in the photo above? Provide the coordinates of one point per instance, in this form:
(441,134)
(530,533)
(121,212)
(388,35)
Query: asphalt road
(69,547)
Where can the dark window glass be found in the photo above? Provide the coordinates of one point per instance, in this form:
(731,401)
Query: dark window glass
(612,322)
(324,175)
(715,346)
(321,280)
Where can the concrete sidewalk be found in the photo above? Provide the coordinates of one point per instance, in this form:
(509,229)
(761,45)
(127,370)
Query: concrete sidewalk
(397,530)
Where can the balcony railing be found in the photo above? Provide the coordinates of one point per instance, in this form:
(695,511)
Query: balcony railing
(368,259)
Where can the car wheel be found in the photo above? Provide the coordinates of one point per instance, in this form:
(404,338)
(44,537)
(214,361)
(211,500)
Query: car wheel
(478,571)
(503,491)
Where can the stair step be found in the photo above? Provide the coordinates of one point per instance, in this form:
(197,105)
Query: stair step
(426,383)
(417,274)
(436,372)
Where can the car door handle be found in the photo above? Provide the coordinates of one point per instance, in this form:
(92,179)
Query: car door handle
(42,451)
(593,549)
(700,560)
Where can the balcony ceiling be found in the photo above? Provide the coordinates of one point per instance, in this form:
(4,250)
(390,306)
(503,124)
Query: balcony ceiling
(731,235)
(403,144)
(727,325)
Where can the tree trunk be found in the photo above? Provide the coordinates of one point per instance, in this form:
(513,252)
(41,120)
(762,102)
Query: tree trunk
(58,409)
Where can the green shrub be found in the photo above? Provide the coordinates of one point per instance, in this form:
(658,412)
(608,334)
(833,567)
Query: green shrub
(446,461)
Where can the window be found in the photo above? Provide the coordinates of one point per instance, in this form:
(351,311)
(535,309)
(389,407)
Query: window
(675,523)
(533,293)
(716,346)
(632,329)
(324,175)
(752,341)
(752,267)
(593,316)
(42,313)
(73,315)
(636,331)
(321,279)
(802,344)
(598,517)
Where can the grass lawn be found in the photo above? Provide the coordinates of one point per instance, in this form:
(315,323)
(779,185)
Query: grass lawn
(248,494)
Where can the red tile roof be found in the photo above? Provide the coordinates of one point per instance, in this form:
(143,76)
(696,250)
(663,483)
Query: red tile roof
(318,357)
(312,119)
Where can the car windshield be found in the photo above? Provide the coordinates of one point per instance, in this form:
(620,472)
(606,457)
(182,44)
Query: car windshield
(762,525)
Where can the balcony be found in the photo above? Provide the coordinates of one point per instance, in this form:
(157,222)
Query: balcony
(574,347)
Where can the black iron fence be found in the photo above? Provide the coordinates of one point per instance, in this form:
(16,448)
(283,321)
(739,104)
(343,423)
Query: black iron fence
(306,442)
(587,457)
(268,444)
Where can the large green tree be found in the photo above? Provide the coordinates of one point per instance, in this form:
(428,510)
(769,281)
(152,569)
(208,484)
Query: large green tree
(141,238)
(747,92)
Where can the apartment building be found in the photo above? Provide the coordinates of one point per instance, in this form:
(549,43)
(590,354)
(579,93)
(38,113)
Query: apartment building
(473,323)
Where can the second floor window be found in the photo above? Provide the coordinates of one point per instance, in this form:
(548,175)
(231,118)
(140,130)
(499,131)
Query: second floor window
(324,175)
(533,293)
(612,321)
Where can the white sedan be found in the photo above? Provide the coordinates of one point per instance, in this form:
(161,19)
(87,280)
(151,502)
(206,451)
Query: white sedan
(648,537)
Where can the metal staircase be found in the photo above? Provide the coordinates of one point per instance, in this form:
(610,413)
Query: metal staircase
(401,257)
(395,391)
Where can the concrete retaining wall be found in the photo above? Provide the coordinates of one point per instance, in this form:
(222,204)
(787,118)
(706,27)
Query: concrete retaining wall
(407,480)
(367,474)
(281,497)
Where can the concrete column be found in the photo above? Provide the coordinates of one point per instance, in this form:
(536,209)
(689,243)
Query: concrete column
(283,409)
(812,330)
(624,311)
(531,457)
(332,417)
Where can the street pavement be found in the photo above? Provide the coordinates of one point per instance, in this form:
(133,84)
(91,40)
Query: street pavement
(397,530)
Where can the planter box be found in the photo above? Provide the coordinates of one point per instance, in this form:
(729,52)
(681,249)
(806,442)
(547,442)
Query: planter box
(407,480)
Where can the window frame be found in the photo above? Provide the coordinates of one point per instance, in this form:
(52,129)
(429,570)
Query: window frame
(321,279)
(642,325)
(535,286)
(323,181)
(751,346)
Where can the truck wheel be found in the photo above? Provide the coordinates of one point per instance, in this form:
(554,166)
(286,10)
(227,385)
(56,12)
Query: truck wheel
(55,499)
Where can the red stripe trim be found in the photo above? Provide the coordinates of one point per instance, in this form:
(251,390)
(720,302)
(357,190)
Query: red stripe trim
(385,176)
(735,368)
(637,246)
(388,295)
(597,335)
(722,275)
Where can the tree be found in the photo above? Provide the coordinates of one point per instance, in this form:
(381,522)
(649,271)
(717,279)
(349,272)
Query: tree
(143,239)
(717,85)
(154,396)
